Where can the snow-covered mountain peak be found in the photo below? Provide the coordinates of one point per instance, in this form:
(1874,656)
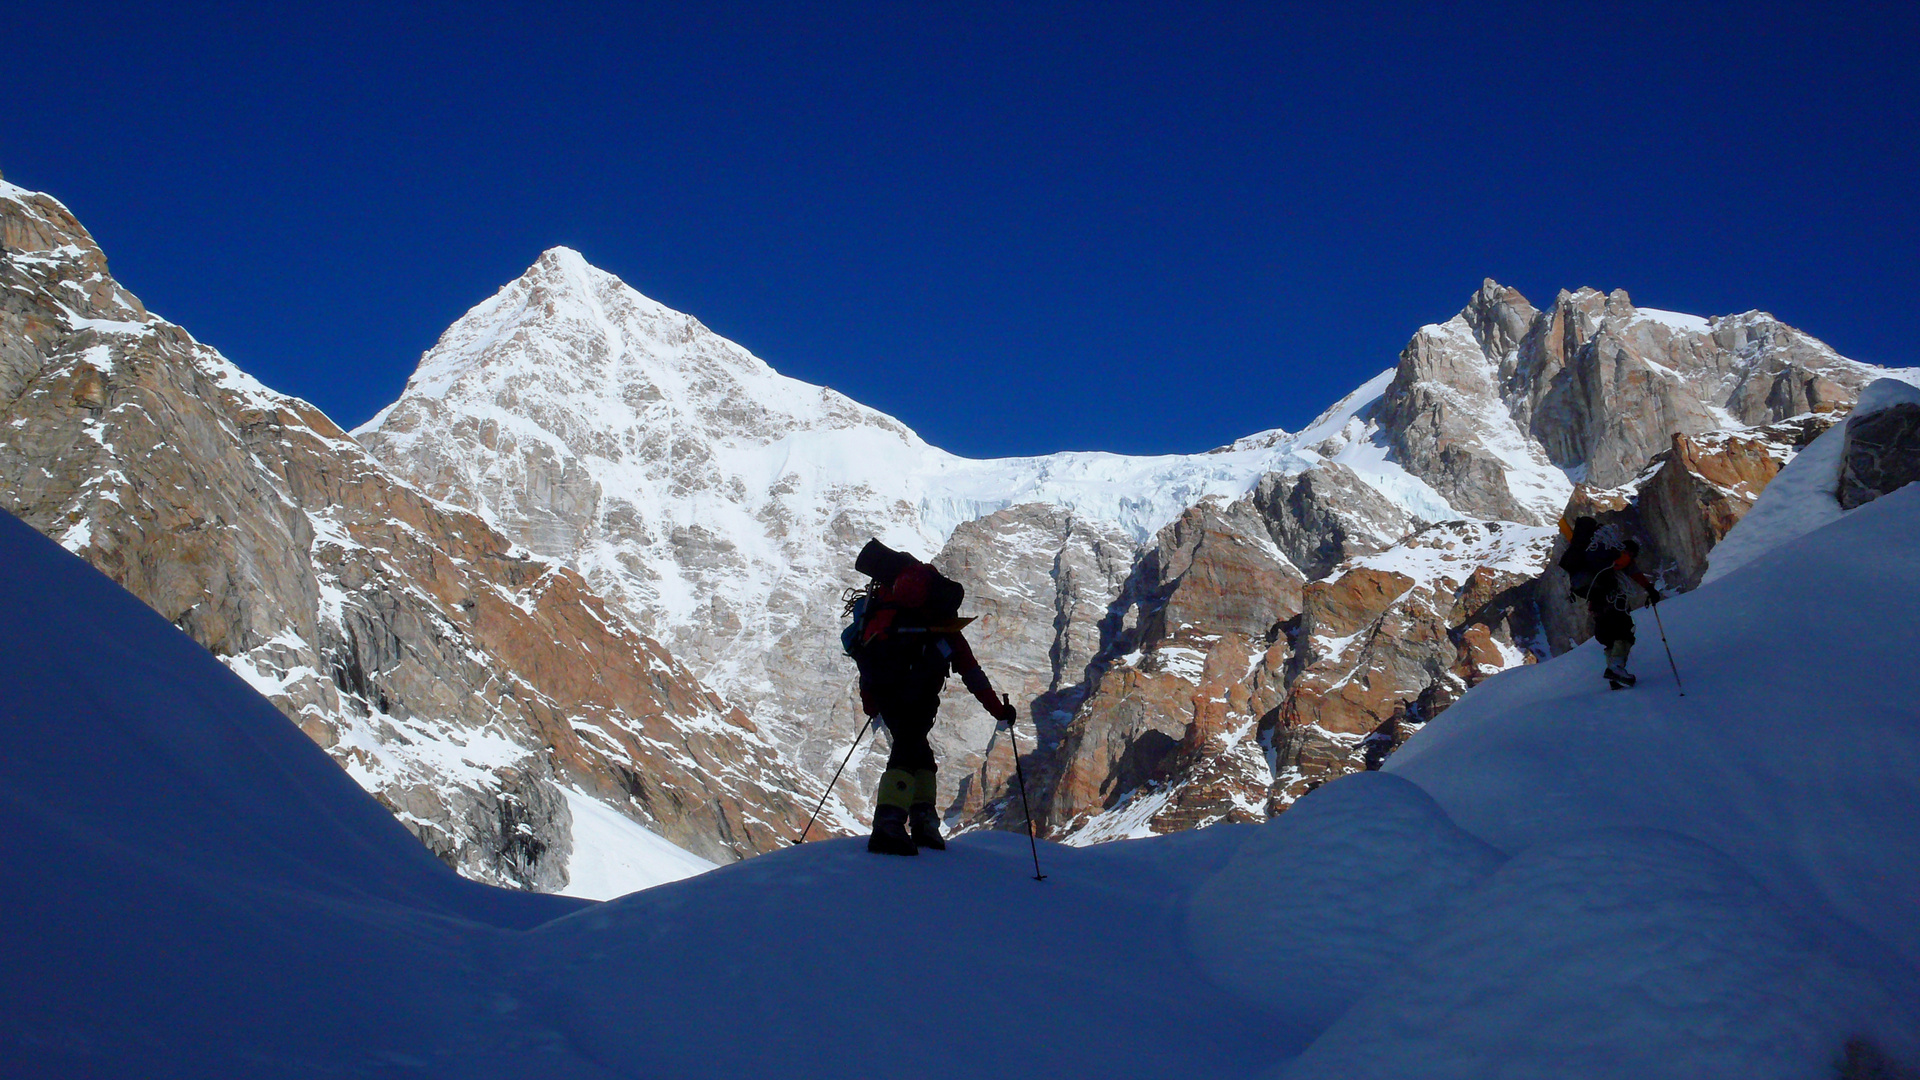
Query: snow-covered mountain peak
(574,350)
(720,503)
(14,192)
(27,197)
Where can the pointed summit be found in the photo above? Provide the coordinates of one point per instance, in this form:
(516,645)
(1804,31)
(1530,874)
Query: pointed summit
(1500,317)
(579,360)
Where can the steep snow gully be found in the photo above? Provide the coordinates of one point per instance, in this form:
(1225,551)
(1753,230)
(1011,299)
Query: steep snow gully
(195,889)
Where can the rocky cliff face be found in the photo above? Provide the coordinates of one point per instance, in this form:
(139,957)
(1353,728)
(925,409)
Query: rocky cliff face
(1510,414)
(1213,717)
(1680,505)
(1882,453)
(1200,603)
(1504,406)
(459,678)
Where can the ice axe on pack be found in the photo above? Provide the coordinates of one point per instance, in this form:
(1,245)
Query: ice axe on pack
(1019,774)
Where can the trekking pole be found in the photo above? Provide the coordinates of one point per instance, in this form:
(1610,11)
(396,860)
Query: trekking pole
(1014,741)
(861,734)
(1669,648)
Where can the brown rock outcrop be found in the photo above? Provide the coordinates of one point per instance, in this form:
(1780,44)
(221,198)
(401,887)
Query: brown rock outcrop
(1163,694)
(1211,593)
(1392,640)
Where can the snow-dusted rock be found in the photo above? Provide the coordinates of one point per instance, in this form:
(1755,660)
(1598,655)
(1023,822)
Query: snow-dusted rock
(461,680)
(1326,515)
(1503,406)
(1806,494)
(1041,579)
(1392,639)
(1882,450)
(1169,701)
(1690,497)
(1683,503)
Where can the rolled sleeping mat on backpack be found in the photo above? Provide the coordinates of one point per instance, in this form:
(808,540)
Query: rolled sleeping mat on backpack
(882,563)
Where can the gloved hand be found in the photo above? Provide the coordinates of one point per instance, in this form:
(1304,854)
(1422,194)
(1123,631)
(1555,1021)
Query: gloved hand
(1653,595)
(1006,714)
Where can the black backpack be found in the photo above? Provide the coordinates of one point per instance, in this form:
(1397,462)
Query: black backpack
(1587,554)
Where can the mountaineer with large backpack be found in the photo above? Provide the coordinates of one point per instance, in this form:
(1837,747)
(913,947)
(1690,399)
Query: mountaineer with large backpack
(1611,602)
(905,637)
(1599,569)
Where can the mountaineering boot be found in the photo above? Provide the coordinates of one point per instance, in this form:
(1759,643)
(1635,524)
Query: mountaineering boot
(890,815)
(925,822)
(1616,673)
(920,812)
(890,833)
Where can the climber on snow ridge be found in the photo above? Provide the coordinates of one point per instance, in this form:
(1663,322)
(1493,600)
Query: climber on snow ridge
(905,637)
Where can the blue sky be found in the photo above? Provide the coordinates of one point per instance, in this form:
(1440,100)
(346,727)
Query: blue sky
(1019,228)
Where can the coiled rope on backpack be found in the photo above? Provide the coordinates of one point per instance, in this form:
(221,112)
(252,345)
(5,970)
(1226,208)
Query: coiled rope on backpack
(851,596)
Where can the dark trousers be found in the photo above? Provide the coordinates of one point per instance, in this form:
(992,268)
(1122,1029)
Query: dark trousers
(910,727)
(1610,625)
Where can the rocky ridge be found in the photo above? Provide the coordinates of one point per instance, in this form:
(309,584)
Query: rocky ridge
(1515,416)
(1503,407)
(467,683)
(1280,599)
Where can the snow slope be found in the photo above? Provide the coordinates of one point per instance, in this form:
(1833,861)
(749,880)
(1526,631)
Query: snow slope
(197,890)
(1745,903)
(614,855)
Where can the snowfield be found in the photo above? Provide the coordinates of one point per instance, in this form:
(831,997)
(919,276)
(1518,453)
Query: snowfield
(1550,879)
